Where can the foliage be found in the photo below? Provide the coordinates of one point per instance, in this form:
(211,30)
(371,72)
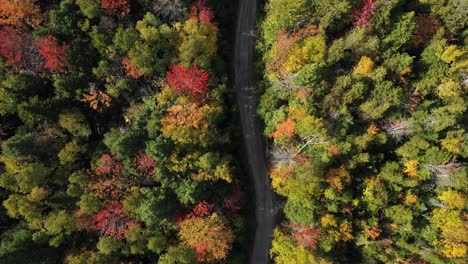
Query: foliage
(113,221)
(53,53)
(192,82)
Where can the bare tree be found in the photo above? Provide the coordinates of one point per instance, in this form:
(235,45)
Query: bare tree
(399,129)
(170,10)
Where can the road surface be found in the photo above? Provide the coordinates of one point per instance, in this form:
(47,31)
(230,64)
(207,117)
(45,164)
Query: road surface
(247,98)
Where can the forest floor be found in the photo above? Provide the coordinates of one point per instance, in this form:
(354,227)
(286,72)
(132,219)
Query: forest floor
(247,98)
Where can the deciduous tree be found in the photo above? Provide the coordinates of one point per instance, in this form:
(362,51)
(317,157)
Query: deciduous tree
(11,45)
(53,53)
(116,7)
(192,82)
(210,236)
(17,12)
(113,221)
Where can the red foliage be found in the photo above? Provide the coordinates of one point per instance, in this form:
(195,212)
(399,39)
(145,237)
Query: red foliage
(116,7)
(235,201)
(113,221)
(144,164)
(361,16)
(10,46)
(305,235)
(132,70)
(201,11)
(193,82)
(108,165)
(53,53)
(202,209)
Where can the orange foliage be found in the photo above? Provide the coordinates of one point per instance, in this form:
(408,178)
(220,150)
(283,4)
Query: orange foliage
(132,70)
(209,234)
(280,174)
(107,181)
(284,43)
(284,129)
(97,99)
(337,178)
(17,12)
(372,233)
(334,150)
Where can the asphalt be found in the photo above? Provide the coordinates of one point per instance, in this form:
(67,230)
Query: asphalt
(247,99)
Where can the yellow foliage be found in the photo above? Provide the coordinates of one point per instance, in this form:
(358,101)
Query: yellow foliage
(346,230)
(310,51)
(279,175)
(449,89)
(373,130)
(410,198)
(364,67)
(411,168)
(454,250)
(453,199)
(328,220)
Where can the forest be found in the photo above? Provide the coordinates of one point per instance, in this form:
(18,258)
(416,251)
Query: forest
(364,105)
(116,134)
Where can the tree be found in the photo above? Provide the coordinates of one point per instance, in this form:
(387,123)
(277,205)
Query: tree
(311,50)
(17,12)
(185,124)
(284,130)
(144,164)
(285,251)
(90,8)
(59,224)
(10,46)
(53,53)
(192,82)
(364,67)
(202,12)
(179,254)
(361,16)
(210,236)
(132,70)
(108,182)
(305,235)
(97,99)
(170,10)
(199,43)
(74,122)
(113,221)
(116,7)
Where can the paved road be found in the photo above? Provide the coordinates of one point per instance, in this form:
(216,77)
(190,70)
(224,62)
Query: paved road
(247,99)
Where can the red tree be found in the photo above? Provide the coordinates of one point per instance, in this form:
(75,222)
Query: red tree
(10,46)
(201,11)
(361,16)
(234,203)
(305,235)
(193,82)
(108,165)
(116,7)
(144,164)
(53,53)
(113,221)
(107,182)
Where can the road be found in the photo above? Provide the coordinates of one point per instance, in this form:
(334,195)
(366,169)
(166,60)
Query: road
(247,99)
